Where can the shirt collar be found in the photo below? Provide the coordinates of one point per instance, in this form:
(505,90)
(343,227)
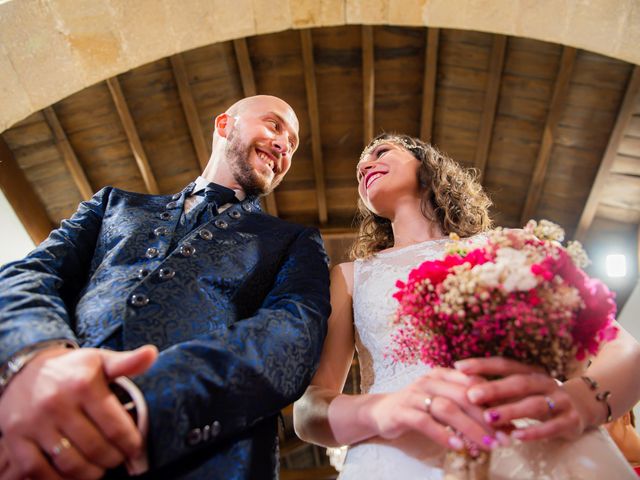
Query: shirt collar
(201,183)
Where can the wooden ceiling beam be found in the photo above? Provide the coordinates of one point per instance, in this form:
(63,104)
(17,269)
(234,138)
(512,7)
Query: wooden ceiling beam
(368,83)
(189,109)
(490,106)
(560,91)
(132,135)
(244,66)
(243,59)
(314,121)
(429,84)
(315,473)
(22,197)
(625,113)
(68,154)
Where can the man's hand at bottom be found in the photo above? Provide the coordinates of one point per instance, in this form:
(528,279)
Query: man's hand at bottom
(59,419)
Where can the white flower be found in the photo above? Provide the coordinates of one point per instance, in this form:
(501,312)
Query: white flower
(511,270)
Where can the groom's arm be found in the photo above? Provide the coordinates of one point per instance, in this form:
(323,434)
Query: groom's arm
(216,386)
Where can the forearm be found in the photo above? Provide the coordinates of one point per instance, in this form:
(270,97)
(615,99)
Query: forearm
(615,370)
(325,418)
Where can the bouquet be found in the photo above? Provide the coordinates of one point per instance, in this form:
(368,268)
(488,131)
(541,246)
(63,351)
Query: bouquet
(522,295)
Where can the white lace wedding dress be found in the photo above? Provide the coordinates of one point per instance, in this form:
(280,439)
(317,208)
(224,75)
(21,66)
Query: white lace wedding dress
(594,456)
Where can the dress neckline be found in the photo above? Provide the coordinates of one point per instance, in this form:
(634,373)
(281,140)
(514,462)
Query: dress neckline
(408,248)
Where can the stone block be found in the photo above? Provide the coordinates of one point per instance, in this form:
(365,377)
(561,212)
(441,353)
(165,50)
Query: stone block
(408,12)
(14,100)
(271,15)
(367,12)
(317,13)
(544,19)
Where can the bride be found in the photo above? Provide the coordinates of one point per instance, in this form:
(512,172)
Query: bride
(400,427)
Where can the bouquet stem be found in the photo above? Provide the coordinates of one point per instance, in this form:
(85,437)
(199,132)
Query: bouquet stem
(460,465)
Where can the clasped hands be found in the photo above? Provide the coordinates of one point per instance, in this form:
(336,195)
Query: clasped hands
(452,405)
(59,419)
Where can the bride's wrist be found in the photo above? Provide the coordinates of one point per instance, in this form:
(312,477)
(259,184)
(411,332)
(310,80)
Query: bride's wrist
(590,410)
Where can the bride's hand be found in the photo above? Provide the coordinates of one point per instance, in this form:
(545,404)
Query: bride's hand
(430,406)
(525,391)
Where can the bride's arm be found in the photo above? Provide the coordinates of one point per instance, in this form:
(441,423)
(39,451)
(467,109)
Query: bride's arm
(311,411)
(325,416)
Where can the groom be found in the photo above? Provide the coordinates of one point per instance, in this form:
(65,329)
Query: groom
(234,300)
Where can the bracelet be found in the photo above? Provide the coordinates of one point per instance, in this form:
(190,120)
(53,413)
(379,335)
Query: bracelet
(600,396)
(19,360)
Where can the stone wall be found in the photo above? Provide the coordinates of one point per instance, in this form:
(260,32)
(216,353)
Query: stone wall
(50,49)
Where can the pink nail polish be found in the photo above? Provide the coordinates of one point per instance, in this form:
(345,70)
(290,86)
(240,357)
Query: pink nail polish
(492,416)
(488,441)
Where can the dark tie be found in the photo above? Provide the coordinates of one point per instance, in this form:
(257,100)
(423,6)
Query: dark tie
(215,196)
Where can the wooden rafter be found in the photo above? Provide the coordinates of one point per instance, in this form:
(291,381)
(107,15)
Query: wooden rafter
(429,84)
(368,82)
(490,102)
(315,473)
(190,110)
(70,159)
(314,121)
(631,98)
(20,194)
(249,89)
(560,90)
(244,65)
(132,135)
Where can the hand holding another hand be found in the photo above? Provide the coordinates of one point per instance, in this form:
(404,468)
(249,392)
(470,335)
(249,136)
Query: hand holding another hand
(435,405)
(524,391)
(59,419)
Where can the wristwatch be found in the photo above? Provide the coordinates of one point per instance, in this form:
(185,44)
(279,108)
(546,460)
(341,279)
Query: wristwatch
(18,361)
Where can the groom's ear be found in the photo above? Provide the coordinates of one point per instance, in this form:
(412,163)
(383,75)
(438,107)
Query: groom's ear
(223,124)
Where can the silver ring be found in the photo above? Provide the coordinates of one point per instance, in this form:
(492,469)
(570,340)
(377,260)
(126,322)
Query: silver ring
(427,404)
(60,447)
(550,403)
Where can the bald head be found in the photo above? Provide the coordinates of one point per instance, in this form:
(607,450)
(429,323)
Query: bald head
(259,103)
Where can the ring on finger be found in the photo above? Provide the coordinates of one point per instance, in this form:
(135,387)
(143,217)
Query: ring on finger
(427,404)
(62,445)
(550,404)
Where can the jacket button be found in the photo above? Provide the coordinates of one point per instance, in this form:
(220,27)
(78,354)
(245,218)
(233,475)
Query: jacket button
(187,250)
(166,273)
(221,224)
(205,234)
(165,216)
(143,272)
(175,196)
(171,205)
(194,437)
(234,214)
(151,252)
(139,300)
(160,231)
(246,207)
(215,429)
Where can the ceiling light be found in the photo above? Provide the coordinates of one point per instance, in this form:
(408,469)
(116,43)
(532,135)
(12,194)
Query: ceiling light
(616,266)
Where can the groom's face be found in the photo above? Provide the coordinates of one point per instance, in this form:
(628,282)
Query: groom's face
(261,143)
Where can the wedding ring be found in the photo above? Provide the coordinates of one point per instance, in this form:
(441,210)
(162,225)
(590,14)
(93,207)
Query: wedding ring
(427,404)
(61,446)
(550,403)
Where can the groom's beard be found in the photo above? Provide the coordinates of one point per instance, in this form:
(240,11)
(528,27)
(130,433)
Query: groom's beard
(252,182)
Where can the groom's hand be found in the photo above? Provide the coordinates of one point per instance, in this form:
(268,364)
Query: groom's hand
(59,419)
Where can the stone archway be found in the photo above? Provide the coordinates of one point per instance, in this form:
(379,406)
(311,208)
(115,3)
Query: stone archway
(51,49)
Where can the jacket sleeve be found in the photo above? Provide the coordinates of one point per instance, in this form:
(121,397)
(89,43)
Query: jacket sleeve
(226,381)
(35,292)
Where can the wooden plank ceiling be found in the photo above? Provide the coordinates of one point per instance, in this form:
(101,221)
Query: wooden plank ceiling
(553,131)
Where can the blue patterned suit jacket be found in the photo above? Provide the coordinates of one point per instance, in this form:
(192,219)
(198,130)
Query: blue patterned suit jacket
(237,307)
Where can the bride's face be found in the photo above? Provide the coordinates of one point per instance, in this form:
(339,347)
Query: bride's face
(386,176)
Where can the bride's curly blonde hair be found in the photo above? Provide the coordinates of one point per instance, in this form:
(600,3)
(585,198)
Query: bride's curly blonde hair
(454,194)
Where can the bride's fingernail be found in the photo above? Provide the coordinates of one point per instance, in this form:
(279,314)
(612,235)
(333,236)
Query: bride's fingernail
(491,416)
(503,439)
(456,443)
(489,441)
(518,434)
(475,395)
(461,364)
